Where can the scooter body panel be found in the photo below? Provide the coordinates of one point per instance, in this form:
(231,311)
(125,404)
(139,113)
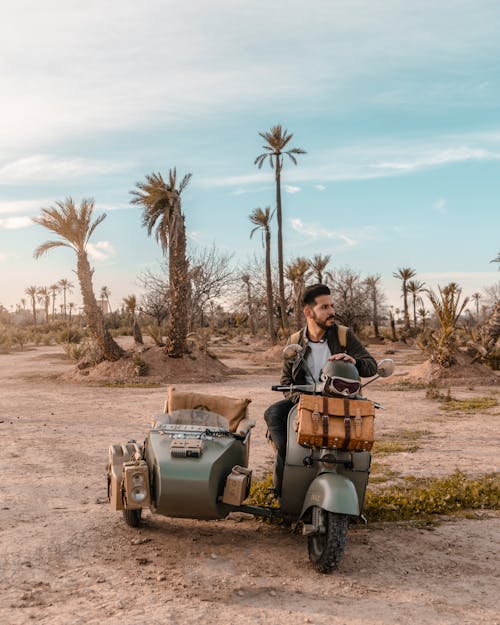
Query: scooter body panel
(190,487)
(334,493)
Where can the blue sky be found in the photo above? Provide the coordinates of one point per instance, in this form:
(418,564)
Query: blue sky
(396,103)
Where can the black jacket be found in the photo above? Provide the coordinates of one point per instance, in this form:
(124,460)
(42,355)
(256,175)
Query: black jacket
(294,373)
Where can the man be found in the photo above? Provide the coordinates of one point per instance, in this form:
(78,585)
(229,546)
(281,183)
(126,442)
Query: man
(321,342)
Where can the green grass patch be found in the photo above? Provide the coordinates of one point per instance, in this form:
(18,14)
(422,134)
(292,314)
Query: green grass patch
(423,498)
(407,385)
(469,405)
(403,441)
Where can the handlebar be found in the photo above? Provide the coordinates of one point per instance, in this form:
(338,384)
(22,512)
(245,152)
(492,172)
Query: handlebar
(311,389)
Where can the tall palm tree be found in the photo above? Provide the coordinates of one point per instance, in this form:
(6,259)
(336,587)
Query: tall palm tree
(66,287)
(130,303)
(372,283)
(74,227)
(415,287)
(404,274)
(297,272)
(43,295)
(277,140)
(246,279)
(54,290)
(31,292)
(105,293)
(161,209)
(262,220)
(318,264)
(71,307)
(423,315)
(476,297)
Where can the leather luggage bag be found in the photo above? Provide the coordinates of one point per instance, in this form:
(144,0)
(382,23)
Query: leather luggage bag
(341,423)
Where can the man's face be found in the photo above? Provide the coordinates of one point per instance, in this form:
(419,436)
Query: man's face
(322,311)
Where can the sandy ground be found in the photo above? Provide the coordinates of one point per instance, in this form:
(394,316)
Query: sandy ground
(66,558)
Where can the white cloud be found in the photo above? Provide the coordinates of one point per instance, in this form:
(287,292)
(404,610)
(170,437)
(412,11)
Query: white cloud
(10,207)
(15,223)
(320,187)
(440,206)
(41,167)
(291,189)
(316,231)
(194,235)
(102,250)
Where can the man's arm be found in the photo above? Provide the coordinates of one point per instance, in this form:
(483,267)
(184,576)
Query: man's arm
(365,363)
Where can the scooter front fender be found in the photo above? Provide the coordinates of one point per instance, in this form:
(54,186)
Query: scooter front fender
(332,492)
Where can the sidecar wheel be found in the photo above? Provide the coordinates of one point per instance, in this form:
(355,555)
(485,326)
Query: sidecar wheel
(132,517)
(327,549)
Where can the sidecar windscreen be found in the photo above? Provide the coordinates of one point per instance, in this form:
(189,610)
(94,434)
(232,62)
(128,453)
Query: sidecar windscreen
(191,416)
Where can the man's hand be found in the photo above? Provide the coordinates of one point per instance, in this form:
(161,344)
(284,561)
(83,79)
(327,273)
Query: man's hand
(344,357)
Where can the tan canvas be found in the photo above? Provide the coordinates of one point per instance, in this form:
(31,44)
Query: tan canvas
(234,410)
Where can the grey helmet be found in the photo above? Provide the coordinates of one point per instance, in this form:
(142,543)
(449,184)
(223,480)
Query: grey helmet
(341,378)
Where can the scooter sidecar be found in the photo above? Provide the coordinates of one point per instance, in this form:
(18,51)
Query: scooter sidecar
(182,469)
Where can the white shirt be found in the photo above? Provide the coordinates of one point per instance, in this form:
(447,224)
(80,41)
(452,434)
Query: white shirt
(316,359)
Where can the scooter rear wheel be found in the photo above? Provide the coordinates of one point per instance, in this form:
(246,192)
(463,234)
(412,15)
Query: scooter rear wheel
(132,517)
(326,549)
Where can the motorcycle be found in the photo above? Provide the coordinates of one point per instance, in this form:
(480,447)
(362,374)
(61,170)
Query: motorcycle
(194,464)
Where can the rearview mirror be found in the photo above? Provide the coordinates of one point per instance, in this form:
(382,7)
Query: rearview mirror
(385,368)
(292,351)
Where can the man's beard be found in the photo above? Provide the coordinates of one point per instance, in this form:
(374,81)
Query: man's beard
(324,325)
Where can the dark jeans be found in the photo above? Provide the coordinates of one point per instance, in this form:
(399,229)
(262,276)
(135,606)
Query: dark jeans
(276,417)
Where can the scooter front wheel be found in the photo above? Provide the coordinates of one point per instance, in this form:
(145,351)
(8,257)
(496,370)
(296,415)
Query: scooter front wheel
(326,548)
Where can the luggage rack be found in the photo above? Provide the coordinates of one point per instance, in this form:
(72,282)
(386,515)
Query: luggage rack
(173,430)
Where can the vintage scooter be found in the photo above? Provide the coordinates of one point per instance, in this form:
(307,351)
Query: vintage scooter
(194,464)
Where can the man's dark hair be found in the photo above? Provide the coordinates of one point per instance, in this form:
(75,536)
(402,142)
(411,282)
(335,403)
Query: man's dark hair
(314,291)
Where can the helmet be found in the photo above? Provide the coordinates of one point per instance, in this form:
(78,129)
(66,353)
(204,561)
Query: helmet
(340,378)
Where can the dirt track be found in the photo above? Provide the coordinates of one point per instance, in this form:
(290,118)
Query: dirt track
(66,558)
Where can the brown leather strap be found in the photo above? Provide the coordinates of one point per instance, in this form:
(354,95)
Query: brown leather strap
(347,424)
(325,422)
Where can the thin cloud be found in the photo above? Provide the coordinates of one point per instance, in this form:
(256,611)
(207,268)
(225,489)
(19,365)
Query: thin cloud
(10,207)
(42,167)
(15,223)
(320,187)
(102,250)
(291,189)
(317,232)
(440,206)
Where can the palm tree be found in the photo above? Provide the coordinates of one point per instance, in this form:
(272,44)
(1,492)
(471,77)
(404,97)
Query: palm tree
(297,272)
(491,329)
(54,290)
(161,204)
(71,306)
(423,315)
(262,220)
(67,287)
(404,274)
(31,292)
(414,287)
(74,227)
(130,303)
(448,309)
(43,296)
(318,264)
(476,297)
(277,140)
(105,293)
(372,283)
(246,279)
